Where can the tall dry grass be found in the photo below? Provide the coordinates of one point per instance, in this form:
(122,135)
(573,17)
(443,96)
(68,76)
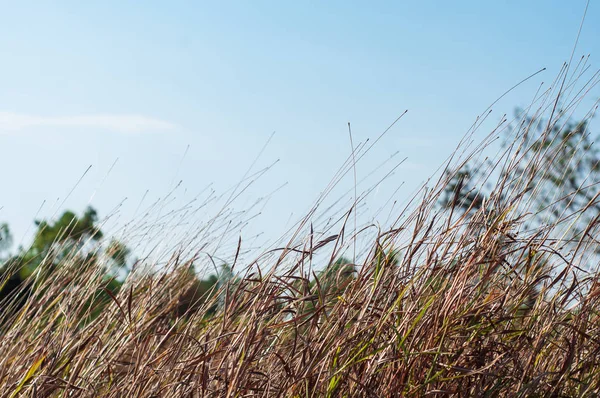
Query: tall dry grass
(444,303)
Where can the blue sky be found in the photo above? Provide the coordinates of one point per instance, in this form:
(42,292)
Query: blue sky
(86,83)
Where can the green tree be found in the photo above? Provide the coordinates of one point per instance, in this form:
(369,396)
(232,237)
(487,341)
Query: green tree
(68,234)
(77,238)
(336,276)
(329,283)
(558,173)
(5,240)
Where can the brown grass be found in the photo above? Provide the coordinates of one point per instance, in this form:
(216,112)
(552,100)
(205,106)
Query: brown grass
(486,303)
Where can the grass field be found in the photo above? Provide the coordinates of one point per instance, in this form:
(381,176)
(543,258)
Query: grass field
(496,300)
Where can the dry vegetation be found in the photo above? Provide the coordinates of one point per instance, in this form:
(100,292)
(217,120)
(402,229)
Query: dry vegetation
(444,302)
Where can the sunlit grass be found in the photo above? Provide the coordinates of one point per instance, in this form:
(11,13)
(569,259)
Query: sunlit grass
(444,302)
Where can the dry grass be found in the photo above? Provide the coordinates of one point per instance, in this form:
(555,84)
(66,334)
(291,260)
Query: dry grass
(486,303)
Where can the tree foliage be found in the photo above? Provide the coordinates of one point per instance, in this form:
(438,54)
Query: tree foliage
(68,238)
(68,232)
(556,194)
(5,239)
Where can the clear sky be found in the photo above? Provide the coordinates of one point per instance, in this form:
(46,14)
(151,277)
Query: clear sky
(88,82)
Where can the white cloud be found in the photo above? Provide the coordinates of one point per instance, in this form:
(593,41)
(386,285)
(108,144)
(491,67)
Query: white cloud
(11,121)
